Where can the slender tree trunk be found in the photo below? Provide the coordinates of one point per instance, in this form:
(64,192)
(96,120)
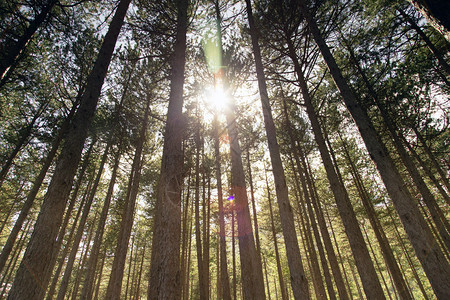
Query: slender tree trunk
(15,257)
(252,197)
(115,282)
(203,284)
(165,262)
(267,278)
(10,52)
(405,252)
(314,262)
(137,293)
(24,137)
(225,280)
(102,264)
(82,261)
(363,261)
(86,209)
(369,243)
(33,275)
(337,275)
(298,278)
(430,255)
(185,237)
(130,264)
(436,13)
(52,288)
(277,254)
(436,213)
(233,250)
(386,250)
(427,170)
(87,290)
(431,156)
(251,267)
(34,191)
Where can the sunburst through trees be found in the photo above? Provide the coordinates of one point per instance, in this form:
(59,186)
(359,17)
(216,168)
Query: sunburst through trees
(266,149)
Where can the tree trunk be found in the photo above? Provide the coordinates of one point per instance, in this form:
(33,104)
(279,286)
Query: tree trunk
(87,290)
(115,281)
(7,247)
(11,52)
(165,262)
(186,237)
(436,13)
(15,257)
(363,261)
(137,293)
(252,198)
(405,252)
(284,295)
(225,280)
(298,278)
(62,231)
(40,248)
(203,284)
(24,136)
(433,261)
(267,279)
(337,275)
(233,251)
(86,209)
(251,267)
(82,261)
(436,213)
(97,288)
(431,156)
(386,250)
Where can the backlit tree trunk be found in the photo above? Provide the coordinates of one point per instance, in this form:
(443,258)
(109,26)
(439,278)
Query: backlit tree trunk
(297,273)
(364,263)
(427,250)
(165,262)
(40,247)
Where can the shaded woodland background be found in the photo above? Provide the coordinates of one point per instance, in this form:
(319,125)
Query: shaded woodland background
(269,149)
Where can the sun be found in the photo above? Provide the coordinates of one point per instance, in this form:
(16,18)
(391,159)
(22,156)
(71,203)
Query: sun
(217,98)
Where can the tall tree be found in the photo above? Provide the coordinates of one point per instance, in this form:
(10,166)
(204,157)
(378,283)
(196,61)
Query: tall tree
(165,261)
(298,279)
(33,274)
(13,48)
(427,250)
(435,12)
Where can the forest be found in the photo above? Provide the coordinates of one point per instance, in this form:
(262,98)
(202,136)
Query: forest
(224,149)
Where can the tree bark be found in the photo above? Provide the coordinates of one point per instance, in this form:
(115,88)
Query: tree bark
(165,262)
(33,275)
(284,295)
(87,290)
(61,234)
(251,267)
(436,213)
(366,270)
(10,52)
(34,191)
(115,281)
(436,13)
(386,250)
(431,257)
(86,209)
(225,280)
(297,273)
(203,284)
